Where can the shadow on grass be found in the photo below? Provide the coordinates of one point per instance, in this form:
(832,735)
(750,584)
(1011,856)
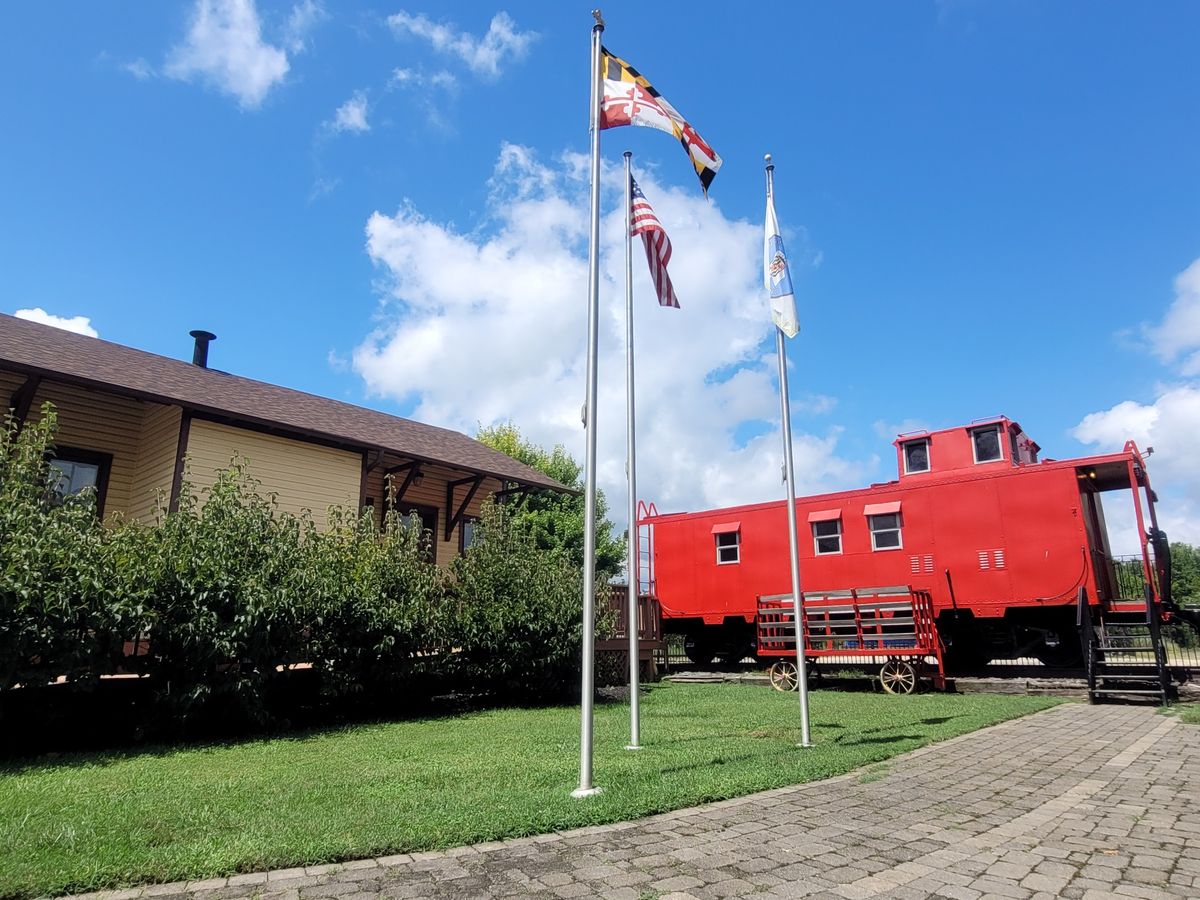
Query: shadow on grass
(101,727)
(714,762)
(843,741)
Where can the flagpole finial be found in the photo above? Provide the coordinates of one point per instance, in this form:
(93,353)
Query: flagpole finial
(628,154)
(599,19)
(767,159)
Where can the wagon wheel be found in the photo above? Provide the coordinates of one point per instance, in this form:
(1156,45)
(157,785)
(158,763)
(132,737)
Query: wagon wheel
(897,676)
(783,676)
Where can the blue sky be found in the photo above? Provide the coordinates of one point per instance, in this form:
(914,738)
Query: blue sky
(990,208)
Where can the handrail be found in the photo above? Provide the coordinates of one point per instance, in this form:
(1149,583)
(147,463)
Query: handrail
(1087,637)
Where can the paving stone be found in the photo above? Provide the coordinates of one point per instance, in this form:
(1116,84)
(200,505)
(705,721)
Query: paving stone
(292,874)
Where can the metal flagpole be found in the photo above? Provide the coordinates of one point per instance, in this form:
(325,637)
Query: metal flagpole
(785,408)
(586,789)
(631,549)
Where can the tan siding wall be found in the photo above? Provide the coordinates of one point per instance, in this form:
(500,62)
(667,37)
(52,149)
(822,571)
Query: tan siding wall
(301,475)
(89,420)
(432,492)
(156,461)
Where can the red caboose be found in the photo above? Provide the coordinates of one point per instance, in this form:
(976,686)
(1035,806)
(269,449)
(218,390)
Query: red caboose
(1000,540)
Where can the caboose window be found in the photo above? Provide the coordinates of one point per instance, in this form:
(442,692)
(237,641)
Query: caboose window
(827,537)
(728,547)
(986,442)
(885,532)
(916,457)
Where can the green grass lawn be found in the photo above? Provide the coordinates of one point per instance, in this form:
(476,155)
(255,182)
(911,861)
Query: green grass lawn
(100,820)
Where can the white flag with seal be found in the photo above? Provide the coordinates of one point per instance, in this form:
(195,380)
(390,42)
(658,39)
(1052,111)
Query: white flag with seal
(777,277)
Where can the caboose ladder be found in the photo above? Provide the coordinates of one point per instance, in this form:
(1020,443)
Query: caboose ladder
(1125,657)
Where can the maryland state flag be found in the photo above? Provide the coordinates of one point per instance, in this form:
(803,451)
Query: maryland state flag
(629,99)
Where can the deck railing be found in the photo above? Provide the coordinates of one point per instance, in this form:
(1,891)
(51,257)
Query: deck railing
(649,614)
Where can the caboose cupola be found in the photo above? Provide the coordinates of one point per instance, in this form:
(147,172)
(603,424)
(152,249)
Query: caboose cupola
(985,442)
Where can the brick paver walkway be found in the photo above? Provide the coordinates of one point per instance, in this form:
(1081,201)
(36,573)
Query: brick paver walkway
(1078,802)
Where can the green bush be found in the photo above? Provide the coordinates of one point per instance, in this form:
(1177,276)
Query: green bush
(58,613)
(217,583)
(518,612)
(228,592)
(374,610)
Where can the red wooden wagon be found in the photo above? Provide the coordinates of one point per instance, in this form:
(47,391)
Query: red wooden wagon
(891,630)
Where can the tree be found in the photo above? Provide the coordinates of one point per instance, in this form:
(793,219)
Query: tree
(1185,574)
(553,519)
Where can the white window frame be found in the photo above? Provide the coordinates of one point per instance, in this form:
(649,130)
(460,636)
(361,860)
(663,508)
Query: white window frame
(736,547)
(899,530)
(817,538)
(928,459)
(995,429)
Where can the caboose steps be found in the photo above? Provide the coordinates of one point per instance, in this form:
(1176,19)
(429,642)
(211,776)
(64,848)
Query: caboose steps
(1124,655)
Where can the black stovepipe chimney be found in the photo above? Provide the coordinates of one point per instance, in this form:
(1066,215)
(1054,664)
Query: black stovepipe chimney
(200,353)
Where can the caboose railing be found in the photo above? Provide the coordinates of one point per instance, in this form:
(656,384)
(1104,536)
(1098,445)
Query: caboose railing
(1130,576)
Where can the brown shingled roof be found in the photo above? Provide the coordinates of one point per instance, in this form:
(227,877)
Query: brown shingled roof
(64,356)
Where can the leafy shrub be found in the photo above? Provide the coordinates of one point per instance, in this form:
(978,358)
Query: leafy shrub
(518,623)
(373,608)
(58,613)
(227,592)
(1182,634)
(217,581)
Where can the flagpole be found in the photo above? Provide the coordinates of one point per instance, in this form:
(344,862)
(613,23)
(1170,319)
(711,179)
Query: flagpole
(785,408)
(631,543)
(587,689)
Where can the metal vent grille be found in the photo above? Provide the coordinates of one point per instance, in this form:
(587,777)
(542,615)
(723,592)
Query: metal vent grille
(998,558)
(984,560)
(928,563)
(914,565)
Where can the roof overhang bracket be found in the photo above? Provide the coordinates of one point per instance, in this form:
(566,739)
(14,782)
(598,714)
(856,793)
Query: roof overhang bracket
(22,399)
(413,472)
(376,459)
(453,517)
(515,491)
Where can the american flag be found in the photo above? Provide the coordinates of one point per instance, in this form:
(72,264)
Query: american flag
(643,221)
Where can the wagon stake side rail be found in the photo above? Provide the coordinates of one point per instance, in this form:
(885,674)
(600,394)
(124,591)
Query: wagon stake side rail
(890,627)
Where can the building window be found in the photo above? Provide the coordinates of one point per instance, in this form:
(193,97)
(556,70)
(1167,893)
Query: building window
(986,443)
(916,457)
(827,537)
(728,542)
(466,533)
(425,518)
(72,472)
(885,532)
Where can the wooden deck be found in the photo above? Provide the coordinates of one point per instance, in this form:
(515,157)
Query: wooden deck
(650,635)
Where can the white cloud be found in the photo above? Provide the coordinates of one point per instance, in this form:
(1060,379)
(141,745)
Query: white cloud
(484,56)
(323,187)
(352,115)
(433,93)
(77,324)
(890,430)
(418,79)
(303,18)
(225,49)
(490,326)
(1179,332)
(1169,424)
(139,69)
